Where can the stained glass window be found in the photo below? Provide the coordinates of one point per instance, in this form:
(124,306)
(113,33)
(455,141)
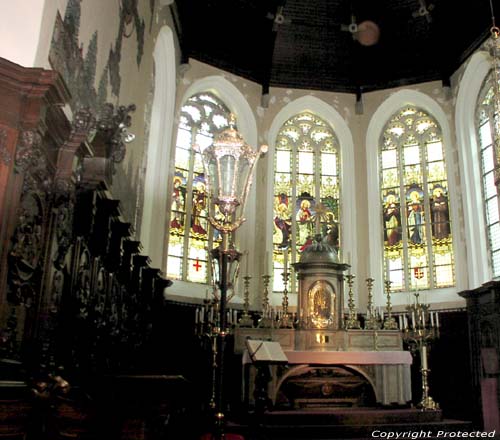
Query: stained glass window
(418,246)
(485,126)
(190,233)
(306,189)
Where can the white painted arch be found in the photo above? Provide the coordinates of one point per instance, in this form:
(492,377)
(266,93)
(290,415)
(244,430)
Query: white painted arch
(159,147)
(479,269)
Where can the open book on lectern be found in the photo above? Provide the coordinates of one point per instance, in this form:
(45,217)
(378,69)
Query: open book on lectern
(266,351)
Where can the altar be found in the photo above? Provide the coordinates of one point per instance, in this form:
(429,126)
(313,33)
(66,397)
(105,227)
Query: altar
(336,368)
(331,359)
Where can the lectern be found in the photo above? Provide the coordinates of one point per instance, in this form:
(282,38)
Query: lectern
(263,354)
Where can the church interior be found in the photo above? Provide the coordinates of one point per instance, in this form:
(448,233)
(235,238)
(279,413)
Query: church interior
(249,220)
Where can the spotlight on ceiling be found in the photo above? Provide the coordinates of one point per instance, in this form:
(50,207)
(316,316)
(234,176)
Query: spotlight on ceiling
(368,33)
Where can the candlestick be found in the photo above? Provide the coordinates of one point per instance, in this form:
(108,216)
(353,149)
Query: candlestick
(265,320)
(371,322)
(418,338)
(352,320)
(284,321)
(246,320)
(390,322)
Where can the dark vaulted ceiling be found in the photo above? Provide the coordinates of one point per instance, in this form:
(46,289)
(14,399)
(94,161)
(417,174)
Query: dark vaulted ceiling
(350,46)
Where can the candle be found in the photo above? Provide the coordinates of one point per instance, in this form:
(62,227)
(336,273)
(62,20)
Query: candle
(412,319)
(235,312)
(432,319)
(437,319)
(196,316)
(423,354)
(400,319)
(248,258)
(285,260)
(266,263)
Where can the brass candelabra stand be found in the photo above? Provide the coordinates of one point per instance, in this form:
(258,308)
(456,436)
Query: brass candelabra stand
(265,320)
(371,321)
(420,329)
(285,321)
(352,321)
(208,329)
(389,322)
(246,320)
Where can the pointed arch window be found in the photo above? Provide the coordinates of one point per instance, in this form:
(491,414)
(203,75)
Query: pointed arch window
(418,245)
(486,117)
(306,188)
(190,234)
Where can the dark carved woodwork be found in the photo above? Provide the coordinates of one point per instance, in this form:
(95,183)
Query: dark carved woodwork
(119,231)
(77,300)
(106,210)
(483,309)
(29,97)
(108,145)
(5,156)
(113,128)
(130,248)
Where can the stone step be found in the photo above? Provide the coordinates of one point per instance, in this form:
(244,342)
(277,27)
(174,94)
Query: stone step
(356,432)
(352,424)
(350,416)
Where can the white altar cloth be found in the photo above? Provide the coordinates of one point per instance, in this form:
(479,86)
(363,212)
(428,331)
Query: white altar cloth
(349,357)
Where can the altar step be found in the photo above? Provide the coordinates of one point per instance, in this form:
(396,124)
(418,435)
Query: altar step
(352,424)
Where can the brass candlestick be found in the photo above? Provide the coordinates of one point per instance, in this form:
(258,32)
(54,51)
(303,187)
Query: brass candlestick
(285,321)
(371,321)
(352,320)
(389,322)
(418,333)
(246,320)
(265,321)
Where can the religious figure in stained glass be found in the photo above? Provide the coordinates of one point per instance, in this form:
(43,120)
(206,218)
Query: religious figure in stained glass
(304,219)
(440,213)
(415,215)
(199,207)
(331,230)
(412,165)
(392,220)
(177,204)
(307,167)
(282,222)
(190,234)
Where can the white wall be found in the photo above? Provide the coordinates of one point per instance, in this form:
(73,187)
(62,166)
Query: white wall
(20,30)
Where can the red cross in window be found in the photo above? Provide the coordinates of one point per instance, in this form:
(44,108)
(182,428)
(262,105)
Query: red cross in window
(418,273)
(197,265)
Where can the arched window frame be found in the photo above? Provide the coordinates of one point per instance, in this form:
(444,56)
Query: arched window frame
(478,263)
(154,212)
(385,111)
(347,181)
(247,126)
